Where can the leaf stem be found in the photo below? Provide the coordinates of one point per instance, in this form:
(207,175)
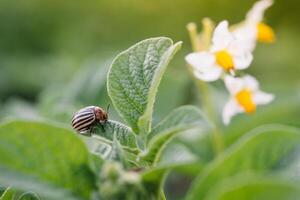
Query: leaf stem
(202,42)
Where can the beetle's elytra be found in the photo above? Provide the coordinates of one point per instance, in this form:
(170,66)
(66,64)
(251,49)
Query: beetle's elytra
(86,117)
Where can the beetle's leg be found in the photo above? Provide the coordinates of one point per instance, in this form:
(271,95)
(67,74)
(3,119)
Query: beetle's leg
(90,131)
(102,126)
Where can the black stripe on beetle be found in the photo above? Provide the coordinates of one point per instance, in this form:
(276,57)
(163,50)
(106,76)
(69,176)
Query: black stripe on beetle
(85,118)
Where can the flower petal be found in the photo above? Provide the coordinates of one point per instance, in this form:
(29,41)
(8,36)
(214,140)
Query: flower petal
(242,60)
(230,109)
(251,83)
(255,14)
(233,85)
(221,37)
(211,74)
(261,98)
(245,35)
(200,60)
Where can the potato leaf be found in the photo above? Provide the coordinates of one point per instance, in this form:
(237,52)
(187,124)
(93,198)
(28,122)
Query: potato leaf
(254,187)
(180,120)
(134,78)
(259,151)
(38,156)
(121,132)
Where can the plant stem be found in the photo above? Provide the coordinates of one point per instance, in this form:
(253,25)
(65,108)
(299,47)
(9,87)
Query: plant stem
(206,97)
(207,104)
(162,195)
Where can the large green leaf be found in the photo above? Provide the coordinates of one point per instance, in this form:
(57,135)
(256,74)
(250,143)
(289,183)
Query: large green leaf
(134,78)
(255,188)
(259,151)
(28,183)
(283,110)
(180,120)
(113,129)
(44,154)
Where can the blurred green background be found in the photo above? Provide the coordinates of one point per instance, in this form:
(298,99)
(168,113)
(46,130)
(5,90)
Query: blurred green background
(54,54)
(54,57)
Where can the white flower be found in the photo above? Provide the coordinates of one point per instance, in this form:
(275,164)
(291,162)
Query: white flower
(245,96)
(225,55)
(253,29)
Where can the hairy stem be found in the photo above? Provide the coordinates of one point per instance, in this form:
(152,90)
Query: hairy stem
(208,107)
(202,42)
(162,195)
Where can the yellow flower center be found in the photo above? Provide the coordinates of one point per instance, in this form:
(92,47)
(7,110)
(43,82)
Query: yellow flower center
(265,33)
(244,98)
(224,59)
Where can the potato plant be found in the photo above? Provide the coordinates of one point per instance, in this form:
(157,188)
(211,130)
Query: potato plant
(123,160)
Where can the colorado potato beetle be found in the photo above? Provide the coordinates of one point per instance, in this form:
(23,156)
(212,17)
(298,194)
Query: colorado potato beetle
(85,118)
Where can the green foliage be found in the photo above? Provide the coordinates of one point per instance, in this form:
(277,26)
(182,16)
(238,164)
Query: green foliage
(41,155)
(185,117)
(72,173)
(134,78)
(113,129)
(7,194)
(88,86)
(283,110)
(11,194)
(2,190)
(177,157)
(180,120)
(251,187)
(259,151)
(131,159)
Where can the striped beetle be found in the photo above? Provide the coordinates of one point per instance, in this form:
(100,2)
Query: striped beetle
(85,118)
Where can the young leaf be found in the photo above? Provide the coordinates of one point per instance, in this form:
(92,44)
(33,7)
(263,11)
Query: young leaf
(174,158)
(117,154)
(184,116)
(180,120)
(259,151)
(153,179)
(255,188)
(2,190)
(7,194)
(113,129)
(45,154)
(134,78)
(179,158)
(95,163)
(11,194)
